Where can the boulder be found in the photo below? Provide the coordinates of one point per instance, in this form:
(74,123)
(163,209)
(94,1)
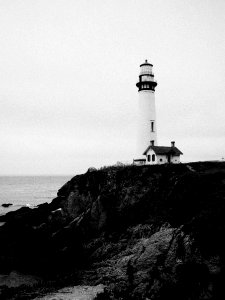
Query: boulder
(6,204)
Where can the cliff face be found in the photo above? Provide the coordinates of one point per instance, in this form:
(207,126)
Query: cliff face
(151,232)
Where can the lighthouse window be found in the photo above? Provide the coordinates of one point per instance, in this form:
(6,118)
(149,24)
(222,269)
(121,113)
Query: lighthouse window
(149,157)
(153,157)
(152,126)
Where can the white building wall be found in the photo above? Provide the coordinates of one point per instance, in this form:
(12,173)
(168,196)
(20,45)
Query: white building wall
(139,162)
(175,159)
(162,159)
(151,152)
(147,114)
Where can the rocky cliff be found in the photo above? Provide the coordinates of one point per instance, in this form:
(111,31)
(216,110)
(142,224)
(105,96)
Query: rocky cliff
(151,232)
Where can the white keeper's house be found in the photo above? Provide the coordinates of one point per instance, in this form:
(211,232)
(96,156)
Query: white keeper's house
(148,151)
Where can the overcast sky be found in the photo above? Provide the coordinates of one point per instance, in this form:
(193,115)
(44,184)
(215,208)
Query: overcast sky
(68,71)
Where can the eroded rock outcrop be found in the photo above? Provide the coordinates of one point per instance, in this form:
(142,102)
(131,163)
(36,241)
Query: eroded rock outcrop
(151,232)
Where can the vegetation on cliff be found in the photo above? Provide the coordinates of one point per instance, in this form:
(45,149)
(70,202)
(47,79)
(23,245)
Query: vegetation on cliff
(150,232)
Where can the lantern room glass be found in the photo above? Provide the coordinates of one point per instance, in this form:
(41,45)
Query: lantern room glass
(146,69)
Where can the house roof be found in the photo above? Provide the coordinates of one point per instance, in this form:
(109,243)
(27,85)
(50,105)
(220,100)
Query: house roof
(163,150)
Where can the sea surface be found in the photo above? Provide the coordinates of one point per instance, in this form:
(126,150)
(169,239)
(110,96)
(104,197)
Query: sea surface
(29,190)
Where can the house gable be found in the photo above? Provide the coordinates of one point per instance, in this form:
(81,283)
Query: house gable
(151,157)
(162,155)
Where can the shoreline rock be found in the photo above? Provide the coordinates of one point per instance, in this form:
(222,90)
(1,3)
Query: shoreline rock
(153,231)
(6,204)
(76,292)
(17,279)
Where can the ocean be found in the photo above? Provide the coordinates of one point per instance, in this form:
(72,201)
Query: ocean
(28,190)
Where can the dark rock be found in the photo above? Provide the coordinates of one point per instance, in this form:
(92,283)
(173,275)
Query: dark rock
(91,169)
(6,204)
(14,215)
(151,232)
(64,190)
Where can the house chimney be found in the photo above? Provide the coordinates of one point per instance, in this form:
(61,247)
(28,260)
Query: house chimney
(152,143)
(172,144)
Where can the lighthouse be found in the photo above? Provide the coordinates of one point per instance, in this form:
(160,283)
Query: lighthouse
(148,151)
(147,130)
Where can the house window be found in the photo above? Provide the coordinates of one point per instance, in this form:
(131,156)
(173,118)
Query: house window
(152,126)
(149,157)
(153,157)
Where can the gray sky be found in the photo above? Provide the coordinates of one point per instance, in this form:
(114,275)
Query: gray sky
(67,80)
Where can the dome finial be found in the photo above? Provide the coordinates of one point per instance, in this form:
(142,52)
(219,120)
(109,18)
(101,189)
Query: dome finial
(146,60)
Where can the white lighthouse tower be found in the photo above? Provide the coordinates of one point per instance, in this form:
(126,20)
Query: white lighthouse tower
(148,152)
(147,113)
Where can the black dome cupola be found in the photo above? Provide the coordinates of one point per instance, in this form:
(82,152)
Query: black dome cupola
(146,77)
